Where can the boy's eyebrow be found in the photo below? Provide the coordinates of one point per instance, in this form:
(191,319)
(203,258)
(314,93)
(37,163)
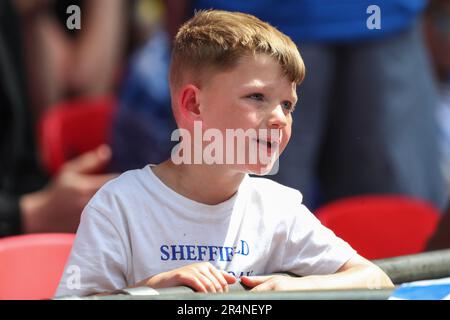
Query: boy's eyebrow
(258,85)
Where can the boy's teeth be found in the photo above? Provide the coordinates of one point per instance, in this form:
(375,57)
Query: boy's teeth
(267,143)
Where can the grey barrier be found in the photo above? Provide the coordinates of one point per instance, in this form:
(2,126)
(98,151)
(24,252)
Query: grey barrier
(423,266)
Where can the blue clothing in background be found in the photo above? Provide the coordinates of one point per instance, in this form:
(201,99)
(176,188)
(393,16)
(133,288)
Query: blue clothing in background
(325,20)
(367,104)
(144,121)
(434,289)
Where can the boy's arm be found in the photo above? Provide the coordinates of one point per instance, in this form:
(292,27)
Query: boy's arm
(99,259)
(201,277)
(356,273)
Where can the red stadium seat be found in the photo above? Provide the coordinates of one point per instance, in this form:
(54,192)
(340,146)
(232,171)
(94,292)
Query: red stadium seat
(74,127)
(32,265)
(380,226)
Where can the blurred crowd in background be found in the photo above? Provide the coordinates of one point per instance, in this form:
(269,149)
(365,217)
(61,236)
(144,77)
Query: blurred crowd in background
(373,115)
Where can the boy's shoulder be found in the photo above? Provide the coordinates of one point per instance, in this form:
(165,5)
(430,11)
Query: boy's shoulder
(129,183)
(138,186)
(127,178)
(270,189)
(276,202)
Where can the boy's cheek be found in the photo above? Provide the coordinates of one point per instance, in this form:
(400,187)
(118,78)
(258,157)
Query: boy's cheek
(286,136)
(286,133)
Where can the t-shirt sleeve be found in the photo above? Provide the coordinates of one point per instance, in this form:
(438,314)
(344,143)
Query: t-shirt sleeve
(313,249)
(97,262)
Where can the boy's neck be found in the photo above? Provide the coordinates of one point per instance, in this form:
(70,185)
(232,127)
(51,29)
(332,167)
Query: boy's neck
(206,184)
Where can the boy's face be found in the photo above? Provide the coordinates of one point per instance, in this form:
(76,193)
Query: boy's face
(254,95)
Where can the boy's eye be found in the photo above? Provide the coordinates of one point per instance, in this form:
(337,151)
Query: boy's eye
(288,106)
(257,96)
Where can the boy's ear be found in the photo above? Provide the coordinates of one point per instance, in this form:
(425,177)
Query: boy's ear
(189,102)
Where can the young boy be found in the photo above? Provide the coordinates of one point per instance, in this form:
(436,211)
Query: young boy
(206,223)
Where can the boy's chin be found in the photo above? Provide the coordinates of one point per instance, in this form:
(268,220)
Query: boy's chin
(263,170)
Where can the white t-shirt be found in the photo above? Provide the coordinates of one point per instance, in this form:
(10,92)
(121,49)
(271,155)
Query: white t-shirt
(136,227)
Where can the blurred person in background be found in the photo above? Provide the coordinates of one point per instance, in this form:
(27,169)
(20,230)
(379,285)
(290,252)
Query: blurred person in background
(62,63)
(437,35)
(365,118)
(441,238)
(144,123)
(29,201)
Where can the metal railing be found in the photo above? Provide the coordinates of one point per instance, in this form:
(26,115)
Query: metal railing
(423,266)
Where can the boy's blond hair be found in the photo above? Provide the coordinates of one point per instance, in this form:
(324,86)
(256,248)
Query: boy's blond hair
(215,40)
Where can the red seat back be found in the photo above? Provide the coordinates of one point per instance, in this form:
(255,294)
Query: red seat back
(32,265)
(381,226)
(74,127)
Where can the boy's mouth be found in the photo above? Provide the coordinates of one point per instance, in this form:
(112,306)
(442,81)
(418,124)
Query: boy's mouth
(267,143)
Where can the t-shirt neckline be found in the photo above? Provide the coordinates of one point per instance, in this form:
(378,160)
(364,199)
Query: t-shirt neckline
(211,211)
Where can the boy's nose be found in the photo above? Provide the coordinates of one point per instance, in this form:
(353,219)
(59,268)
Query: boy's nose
(277,118)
